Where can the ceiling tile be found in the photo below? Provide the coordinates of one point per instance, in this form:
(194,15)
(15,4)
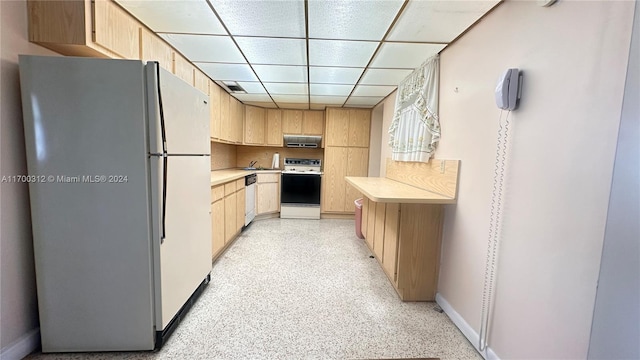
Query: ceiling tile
(341,53)
(330,89)
(273,51)
(286,89)
(372,90)
(270,105)
(262,18)
(252,87)
(363,100)
(281,73)
(206,47)
(193,16)
(330,100)
(236,72)
(384,76)
(284,105)
(334,75)
(404,55)
(252,97)
(437,21)
(290,98)
(355,20)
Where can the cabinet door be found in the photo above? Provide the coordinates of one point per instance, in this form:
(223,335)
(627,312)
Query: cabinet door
(183,68)
(292,121)
(217,224)
(267,198)
(391,232)
(230,216)
(237,118)
(116,30)
(225,120)
(240,205)
(254,125)
(359,127)
(371,223)
(337,127)
(200,81)
(357,165)
(378,236)
(153,48)
(274,127)
(365,216)
(333,183)
(214,101)
(312,122)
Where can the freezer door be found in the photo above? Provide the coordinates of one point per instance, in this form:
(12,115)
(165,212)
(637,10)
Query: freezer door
(185,111)
(185,253)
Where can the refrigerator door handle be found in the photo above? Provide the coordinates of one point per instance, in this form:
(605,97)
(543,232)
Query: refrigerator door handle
(163,132)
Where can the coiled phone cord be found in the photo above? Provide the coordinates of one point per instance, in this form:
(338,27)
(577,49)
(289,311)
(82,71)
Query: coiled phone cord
(495,220)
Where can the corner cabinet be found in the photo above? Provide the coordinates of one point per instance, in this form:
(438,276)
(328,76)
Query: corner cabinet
(346,153)
(97,28)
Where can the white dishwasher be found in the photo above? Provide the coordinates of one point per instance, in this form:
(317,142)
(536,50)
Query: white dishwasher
(250,198)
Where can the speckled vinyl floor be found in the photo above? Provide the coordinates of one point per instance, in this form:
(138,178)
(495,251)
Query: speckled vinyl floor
(303,289)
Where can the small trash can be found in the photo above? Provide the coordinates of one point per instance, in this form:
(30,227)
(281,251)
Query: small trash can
(358,204)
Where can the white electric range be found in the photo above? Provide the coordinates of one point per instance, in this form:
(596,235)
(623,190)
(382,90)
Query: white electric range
(300,189)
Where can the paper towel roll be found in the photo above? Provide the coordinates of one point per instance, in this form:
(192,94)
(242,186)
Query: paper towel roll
(275,163)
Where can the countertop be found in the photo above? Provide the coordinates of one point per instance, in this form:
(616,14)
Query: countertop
(381,189)
(223,176)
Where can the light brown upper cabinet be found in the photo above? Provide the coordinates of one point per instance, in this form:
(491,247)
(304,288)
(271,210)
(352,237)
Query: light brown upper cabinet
(225,119)
(347,127)
(183,68)
(254,120)
(80,29)
(153,48)
(292,121)
(274,127)
(312,122)
(201,81)
(215,102)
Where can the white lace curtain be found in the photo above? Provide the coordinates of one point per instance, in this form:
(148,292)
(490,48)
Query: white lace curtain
(415,128)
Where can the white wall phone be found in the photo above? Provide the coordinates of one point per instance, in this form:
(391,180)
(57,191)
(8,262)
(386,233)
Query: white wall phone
(508,90)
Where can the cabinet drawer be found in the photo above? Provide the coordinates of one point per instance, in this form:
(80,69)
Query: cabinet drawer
(229,188)
(217,193)
(268,178)
(239,184)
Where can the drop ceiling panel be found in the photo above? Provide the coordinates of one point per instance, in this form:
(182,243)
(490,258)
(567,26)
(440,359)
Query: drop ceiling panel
(252,97)
(367,101)
(252,87)
(284,105)
(404,55)
(290,98)
(384,76)
(273,51)
(372,90)
(208,48)
(341,53)
(330,89)
(334,75)
(262,18)
(236,72)
(281,73)
(437,21)
(286,89)
(175,16)
(331,100)
(355,20)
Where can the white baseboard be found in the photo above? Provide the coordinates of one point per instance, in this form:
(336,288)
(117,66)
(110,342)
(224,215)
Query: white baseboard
(465,328)
(21,347)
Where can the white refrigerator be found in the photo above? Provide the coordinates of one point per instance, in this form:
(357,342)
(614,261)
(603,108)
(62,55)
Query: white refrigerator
(118,158)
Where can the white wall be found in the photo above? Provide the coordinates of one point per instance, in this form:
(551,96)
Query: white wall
(616,321)
(18,302)
(388,105)
(563,139)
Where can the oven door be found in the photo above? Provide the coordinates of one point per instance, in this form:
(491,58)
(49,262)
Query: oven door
(300,189)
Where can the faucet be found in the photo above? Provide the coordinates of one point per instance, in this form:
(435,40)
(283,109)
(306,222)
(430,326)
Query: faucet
(252,163)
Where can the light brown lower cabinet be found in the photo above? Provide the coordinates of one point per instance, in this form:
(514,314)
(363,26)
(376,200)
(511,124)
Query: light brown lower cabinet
(217,219)
(405,238)
(267,194)
(227,214)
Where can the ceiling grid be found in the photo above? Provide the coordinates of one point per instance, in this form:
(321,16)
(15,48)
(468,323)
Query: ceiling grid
(308,54)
